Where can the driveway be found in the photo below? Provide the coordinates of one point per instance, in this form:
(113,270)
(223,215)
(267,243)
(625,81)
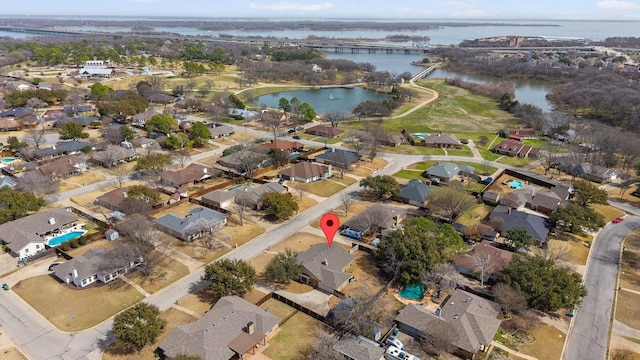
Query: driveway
(589,333)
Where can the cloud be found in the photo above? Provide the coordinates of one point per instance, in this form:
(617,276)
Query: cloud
(403,9)
(618,4)
(284,5)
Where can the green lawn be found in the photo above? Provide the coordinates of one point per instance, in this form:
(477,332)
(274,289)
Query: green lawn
(409,174)
(297,333)
(464,151)
(516,161)
(167,272)
(325,188)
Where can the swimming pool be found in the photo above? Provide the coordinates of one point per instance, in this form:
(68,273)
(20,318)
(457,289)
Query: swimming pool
(66,237)
(515,184)
(234,187)
(413,292)
(293,156)
(420,135)
(7,159)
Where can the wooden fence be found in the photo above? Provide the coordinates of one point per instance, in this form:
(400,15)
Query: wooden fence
(300,308)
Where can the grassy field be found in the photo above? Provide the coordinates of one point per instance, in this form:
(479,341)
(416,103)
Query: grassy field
(608,211)
(630,269)
(298,332)
(627,310)
(475,214)
(326,188)
(167,272)
(70,309)
(278,308)
(173,317)
(548,344)
(11,354)
(409,174)
(367,280)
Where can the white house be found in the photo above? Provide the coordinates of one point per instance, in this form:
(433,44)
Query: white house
(97,265)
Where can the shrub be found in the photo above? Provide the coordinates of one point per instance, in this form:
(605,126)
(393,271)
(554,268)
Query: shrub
(82,240)
(73,243)
(65,246)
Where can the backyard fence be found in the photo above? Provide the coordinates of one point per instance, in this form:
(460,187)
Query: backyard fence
(300,308)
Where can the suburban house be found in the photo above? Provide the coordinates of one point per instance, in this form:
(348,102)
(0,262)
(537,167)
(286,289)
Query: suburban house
(28,235)
(545,201)
(324,131)
(97,264)
(282,145)
(64,167)
(251,195)
(441,141)
(118,200)
(269,115)
(446,171)
(113,155)
(338,157)
(7,181)
(220,131)
(141,118)
(238,160)
(515,148)
(200,220)
(323,267)
(77,110)
(596,173)
(16,112)
(85,121)
(192,174)
(387,139)
(358,348)
(306,172)
(472,318)
(522,133)
(496,259)
(63,148)
(377,218)
(415,192)
(96,68)
(230,330)
(537,226)
(9,124)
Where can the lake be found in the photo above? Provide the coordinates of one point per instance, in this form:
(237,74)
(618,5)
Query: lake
(533,92)
(324,100)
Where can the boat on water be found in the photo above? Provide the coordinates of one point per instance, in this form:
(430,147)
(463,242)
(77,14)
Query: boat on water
(331,96)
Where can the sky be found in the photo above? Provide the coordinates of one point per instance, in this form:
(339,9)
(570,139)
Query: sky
(326,9)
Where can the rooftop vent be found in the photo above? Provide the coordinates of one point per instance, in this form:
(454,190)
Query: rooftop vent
(52,221)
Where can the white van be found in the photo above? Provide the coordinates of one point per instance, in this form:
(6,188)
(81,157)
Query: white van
(392,341)
(394,353)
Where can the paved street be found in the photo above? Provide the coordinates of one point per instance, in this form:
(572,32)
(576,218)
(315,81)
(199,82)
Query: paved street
(589,333)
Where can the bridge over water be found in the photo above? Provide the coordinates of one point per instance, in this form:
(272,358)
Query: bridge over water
(38,31)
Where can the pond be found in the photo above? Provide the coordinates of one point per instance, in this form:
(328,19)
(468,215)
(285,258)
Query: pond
(324,100)
(527,91)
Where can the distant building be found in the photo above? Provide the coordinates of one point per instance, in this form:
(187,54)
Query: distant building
(200,220)
(306,172)
(324,131)
(515,148)
(97,265)
(323,267)
(446,171)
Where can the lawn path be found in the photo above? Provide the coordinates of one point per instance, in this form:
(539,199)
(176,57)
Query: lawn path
(511,351)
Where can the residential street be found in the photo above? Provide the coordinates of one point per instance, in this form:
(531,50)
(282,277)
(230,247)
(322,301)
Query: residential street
(589,334)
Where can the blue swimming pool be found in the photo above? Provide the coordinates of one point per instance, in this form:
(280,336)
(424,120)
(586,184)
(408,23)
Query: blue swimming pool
(419,135)
(7,159)
(293,156)
(515,184)
(66,237)
(413,292)
(234,187)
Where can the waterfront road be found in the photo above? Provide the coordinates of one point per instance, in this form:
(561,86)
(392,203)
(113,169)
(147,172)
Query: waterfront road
(589,334)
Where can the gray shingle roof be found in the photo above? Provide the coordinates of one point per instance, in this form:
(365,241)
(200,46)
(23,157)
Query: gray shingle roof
(19,233)
(473,318)
(339,156)
(536,225)
(358,349)
(181,224)
(96,261)
(212,336)
(326,264)
(415,190)
(448,170)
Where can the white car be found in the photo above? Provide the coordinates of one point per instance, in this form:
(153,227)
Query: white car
(392,341)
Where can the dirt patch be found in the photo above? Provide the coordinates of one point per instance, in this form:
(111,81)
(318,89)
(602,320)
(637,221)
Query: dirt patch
(11,354)
(608,211)
(298,332)
(167,271)
(630,269)
(180,210)
(297,242)
(367,280)
(356,208)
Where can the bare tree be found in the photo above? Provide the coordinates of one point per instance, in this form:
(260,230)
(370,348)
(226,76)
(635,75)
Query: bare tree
(110,156)
(373,218)
(250,161)
(37,183)
(203,228)
(483,266)
(372,139)
(498,225)
(440,338)
(182,157)
(240,205)
(449,201)
(509,298)
(273,124)
(120,174)
(557,251)
(346,202)
(550,154)
(321,349)
(302,188)
(35,137)
(113,135)
(334,117)
(445,277)
(145,242)
(511,200)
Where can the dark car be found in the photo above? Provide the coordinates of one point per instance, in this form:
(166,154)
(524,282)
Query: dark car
(292,131)
(297,137)
(299,128)
(52,266)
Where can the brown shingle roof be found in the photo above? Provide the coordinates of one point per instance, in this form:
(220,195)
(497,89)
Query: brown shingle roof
(498,258)
(282,145)
(322,130)
(219,334)
(305,170)
(193,172)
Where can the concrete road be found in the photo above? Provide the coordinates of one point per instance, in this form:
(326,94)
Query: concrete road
(589,334)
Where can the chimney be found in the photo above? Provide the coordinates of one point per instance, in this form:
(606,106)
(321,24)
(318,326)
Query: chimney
(204,170)
(52,221)
(53,147)
(124,194)
(333,150)
(74,273)
(251,328)
(325,262)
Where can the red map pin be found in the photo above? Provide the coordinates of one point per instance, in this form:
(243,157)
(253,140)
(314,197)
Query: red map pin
(329,224)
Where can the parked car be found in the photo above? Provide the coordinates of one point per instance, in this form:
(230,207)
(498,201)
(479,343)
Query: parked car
(617,220)
(291,131)
(53,265)
(300,128)
(393,341)
(297,137)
